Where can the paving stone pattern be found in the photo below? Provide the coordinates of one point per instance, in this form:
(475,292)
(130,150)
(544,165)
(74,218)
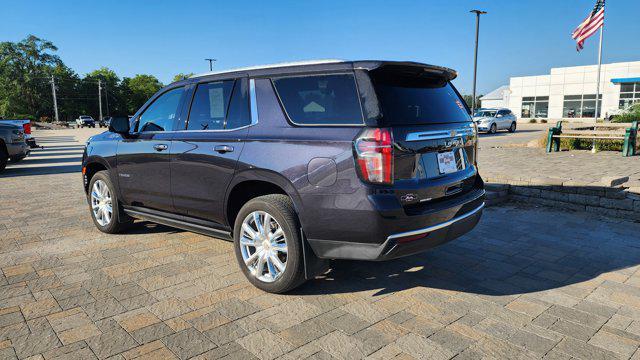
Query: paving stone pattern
(528,282)
(522,163)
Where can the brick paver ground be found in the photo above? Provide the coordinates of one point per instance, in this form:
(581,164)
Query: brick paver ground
(526,283)
(505,155)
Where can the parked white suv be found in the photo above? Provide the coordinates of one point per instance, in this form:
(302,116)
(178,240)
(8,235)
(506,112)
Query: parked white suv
(492,120)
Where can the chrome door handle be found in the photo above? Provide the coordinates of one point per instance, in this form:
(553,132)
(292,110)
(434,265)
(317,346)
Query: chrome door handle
(160,147)
(223,148)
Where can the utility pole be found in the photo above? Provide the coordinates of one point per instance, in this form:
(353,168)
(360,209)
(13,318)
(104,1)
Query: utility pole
(55,101)
(100,98)
(475,58)
(106,98)
(211,63)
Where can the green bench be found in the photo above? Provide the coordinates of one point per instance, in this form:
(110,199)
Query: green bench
(595,131)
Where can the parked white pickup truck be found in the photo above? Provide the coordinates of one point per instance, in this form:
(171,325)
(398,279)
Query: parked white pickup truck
(26,126)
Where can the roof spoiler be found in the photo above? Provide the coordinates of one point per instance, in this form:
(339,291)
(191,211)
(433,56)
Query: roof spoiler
(445,72)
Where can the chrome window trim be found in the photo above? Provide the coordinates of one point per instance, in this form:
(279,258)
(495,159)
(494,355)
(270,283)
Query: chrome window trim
(253,102)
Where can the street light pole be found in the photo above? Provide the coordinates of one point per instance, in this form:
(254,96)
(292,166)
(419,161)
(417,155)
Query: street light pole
(211,63)
(475,58)
(100,98)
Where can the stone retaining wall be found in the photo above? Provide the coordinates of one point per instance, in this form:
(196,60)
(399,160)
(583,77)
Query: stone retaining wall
(609,197)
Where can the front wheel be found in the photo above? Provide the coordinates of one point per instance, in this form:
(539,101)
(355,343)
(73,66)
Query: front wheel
(104,205)
(15,159)
(267,243)
(512,128)
(493,129)
(4,157)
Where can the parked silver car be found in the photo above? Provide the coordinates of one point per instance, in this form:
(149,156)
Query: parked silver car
(492,120)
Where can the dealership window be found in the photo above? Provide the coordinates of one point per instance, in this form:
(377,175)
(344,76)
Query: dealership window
(629,94)
(576,106)
(535,106)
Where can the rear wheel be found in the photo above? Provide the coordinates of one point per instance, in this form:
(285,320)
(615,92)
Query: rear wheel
(493,129)
(104,205)
(512,128)
(267,243)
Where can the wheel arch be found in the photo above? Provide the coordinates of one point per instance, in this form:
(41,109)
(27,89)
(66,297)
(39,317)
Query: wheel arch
(91,167)
(252,183)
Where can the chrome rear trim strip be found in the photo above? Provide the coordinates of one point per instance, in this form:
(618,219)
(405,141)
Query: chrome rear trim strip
(437,226)
(440,134)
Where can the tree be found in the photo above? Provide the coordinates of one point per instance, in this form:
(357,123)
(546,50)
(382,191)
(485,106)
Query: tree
(182,76)
(468,100)
(112,102)
(26,68)
(24,71)
(139,89)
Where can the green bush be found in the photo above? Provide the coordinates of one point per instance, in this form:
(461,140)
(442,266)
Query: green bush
(631,116)
(23,117)
(626,118)
(584,144)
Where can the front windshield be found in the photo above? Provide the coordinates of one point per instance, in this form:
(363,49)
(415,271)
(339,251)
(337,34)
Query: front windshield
(484,113)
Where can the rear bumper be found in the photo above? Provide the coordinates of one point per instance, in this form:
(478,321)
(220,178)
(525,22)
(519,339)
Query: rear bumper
(408,235)
(18,150)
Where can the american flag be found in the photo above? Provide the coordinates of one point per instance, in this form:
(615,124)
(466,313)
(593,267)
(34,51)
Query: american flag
(590,25)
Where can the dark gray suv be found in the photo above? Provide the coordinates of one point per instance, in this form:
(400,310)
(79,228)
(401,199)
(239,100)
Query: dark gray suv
(297,164)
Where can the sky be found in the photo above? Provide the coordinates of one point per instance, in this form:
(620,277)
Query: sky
(163,37)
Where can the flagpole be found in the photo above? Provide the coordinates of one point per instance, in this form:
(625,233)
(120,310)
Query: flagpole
(598,102)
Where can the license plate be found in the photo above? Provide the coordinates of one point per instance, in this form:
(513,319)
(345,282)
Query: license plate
(447,162)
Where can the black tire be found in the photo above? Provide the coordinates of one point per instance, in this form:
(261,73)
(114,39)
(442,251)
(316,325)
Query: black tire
(512,128)
(119,220)
(4,157)
(15,159)
(279,207)
(493,129)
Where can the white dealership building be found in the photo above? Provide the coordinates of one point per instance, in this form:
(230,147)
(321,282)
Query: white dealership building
(569,92)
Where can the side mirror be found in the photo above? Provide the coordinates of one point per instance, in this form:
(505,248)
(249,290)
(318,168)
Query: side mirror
(499,115)
(119,125)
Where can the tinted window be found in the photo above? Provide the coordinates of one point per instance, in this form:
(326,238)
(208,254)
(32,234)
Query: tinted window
(411,100)
(239,114)
(320,99)
(159,116)
(209,106)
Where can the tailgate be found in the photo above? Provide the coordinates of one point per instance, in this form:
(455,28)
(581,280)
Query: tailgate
(433,161)
(433,135)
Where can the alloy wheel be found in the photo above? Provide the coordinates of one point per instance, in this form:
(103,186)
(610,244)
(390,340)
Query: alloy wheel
(101,203)
(263,245)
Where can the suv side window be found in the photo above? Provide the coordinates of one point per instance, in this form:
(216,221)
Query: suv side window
(239,114)
(210,105)
(320,99)
(160,115)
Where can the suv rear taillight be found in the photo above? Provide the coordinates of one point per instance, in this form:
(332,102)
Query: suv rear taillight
(374,155)
(27,128)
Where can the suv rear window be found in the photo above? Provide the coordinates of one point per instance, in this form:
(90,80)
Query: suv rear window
(417,99)
(320,99)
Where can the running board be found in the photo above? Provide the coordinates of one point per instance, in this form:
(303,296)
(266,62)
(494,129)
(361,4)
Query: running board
(180,224)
